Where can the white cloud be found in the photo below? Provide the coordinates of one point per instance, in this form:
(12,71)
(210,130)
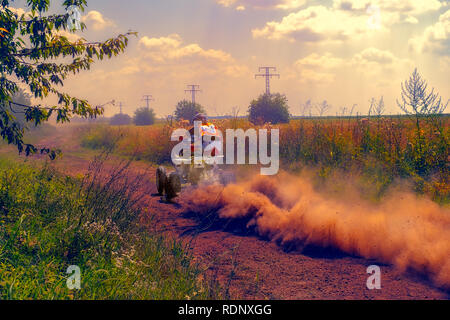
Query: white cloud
(262,4)
(69,35)
(169,54)
(97,21)
(290,4)
(318,69)
(378,64)
(374,56)
(413,7)
(170,42)
(316,23)
(435,38)
(390,11)
(345,19)
(411,19)
(171,48)
(323,69)
(314,60)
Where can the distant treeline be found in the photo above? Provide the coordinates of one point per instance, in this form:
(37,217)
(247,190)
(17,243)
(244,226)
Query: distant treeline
(359,116)
(388,116)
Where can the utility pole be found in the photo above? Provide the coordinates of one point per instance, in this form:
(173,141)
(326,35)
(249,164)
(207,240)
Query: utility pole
(120,106)
(193,88)
(267,75)
(148,98)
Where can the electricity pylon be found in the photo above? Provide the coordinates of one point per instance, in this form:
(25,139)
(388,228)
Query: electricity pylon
(268,76)
(194,88)
(148,98)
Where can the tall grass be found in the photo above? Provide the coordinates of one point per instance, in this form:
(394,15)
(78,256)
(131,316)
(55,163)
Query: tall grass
(150,143)
(49,221)
(381,149)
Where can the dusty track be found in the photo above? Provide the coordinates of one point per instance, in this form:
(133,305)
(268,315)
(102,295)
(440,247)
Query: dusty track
(253,268)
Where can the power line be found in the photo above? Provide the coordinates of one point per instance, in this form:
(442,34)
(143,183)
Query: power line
(267,75)
(148,98)
(194,88)
(120,106)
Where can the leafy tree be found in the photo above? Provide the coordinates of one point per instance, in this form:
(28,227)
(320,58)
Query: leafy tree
(21,99)
(120,119)
(31,51)
(187,110)
(144,116)
(269,108)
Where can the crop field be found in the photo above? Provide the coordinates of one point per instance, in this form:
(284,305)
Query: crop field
(379,149)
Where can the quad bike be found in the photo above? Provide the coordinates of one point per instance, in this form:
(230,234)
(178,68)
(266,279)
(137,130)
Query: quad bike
(171,183)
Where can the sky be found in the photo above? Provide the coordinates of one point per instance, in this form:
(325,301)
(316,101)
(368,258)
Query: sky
(342,51)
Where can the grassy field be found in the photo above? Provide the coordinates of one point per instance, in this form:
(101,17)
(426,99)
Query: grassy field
(49,221)
(379,150)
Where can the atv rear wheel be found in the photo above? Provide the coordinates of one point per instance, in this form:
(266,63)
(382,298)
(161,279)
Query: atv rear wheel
(161,178)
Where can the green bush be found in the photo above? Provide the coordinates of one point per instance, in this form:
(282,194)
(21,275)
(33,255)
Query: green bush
(144,117)
(100,137)
(269,108)
(49,221)
(186,110)
(120,119)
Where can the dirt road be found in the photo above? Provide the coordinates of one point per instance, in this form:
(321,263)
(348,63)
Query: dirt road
(249,267)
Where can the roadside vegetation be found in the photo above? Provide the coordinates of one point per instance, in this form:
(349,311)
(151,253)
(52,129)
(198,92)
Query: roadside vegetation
(186,110)
(149,143)
(379,149)
(144,116)
(49,221)
(271,108)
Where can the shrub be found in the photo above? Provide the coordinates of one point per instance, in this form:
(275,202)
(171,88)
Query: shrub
(269,108)
(150,143)
(120,119)
(422,104)
(100,137)
(186,110)
(144,117)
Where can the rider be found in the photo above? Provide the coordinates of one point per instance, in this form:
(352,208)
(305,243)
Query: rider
(206,129)
(198,117)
